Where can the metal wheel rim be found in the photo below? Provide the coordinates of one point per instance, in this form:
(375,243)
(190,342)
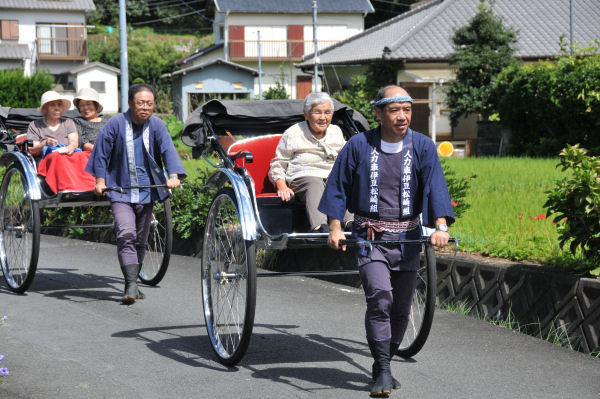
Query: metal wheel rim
(17,227)
(224,277)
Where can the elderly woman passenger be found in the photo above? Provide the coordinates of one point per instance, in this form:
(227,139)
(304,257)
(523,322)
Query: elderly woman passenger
(305,155)
(88,104)
(52,130)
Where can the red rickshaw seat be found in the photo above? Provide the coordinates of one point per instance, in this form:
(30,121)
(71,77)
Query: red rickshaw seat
(263,151)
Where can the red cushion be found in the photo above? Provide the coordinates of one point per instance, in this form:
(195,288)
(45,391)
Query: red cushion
(263,151)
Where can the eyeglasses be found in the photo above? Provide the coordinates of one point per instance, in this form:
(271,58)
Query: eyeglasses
(140,103)
(327,113)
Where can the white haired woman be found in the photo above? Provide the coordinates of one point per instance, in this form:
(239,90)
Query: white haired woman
(305,155)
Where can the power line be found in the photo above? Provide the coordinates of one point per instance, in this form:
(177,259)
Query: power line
(164,19)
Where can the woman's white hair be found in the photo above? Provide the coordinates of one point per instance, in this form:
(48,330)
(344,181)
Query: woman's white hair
(315,98)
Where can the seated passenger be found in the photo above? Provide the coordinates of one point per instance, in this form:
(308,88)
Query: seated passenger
(53,130)
(88,104)
(304,157)
(55,140)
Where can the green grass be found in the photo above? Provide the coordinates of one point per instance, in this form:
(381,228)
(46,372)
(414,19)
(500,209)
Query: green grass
(506,198)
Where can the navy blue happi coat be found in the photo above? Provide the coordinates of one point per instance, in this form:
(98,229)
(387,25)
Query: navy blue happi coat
(354,180)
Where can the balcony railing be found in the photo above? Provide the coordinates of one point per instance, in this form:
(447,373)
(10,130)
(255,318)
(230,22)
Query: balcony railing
(61,49)
(274,50)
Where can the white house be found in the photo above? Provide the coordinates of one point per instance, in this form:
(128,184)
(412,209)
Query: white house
(48,35)
(101,77)
(286,34)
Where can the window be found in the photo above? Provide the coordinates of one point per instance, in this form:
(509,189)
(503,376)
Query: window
(52,39)
(10,30)
(100,87)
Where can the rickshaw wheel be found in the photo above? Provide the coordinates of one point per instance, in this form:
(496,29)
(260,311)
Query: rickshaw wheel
(228,280)
(160,243)
(19,231)
(422,308)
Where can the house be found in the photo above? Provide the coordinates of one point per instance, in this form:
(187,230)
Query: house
(48,35)
(420,42)
(286,34)
(51,35)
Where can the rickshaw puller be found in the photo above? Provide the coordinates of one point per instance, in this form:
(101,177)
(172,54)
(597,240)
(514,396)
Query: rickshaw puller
(387,177)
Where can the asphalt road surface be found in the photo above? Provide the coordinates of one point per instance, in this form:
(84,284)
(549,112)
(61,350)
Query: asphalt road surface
(69,337)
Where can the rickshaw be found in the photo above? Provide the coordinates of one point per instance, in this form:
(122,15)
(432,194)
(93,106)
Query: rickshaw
(23,196)
(246,215)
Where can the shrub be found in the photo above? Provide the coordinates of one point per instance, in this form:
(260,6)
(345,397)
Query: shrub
(575,203)
(190,205)
(550,105)
(18,91)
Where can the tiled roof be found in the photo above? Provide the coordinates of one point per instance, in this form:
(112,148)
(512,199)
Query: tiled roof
(294,6)
(68,5)
(87,66)
(198,53)
(14,51)
(425,33)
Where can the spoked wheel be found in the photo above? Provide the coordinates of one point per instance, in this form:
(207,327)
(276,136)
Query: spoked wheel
(160,243)
(228,280)
(19,231)
(422,308)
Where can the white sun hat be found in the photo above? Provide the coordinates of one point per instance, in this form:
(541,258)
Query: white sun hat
(88,94)
(53,96)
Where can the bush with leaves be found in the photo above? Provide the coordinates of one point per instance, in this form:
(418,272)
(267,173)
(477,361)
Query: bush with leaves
(190,205)
(277,92)
(575,203)
(482,49)
(18,91)
(551,104)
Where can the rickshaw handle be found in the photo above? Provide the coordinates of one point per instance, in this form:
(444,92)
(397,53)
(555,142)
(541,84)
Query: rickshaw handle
(369,244)
(120,189)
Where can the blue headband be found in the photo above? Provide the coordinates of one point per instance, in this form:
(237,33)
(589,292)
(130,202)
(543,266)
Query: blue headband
(395,99)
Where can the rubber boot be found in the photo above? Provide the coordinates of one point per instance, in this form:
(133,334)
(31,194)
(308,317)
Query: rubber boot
(131,293)
(393,349)
(375,370)
(382,386)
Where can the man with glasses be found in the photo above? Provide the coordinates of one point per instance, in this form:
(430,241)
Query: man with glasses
(305,155)
(388,176)
(130,152)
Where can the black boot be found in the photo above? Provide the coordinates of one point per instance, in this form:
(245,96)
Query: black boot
(382,386)
(131,293)
(375,369)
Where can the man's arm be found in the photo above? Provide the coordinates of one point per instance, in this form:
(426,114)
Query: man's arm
(335,235)
(439,238)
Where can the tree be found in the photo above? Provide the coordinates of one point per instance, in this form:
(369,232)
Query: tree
(277,92)
(483,48)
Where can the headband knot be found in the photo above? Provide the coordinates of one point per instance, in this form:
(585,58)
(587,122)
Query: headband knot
(395,99)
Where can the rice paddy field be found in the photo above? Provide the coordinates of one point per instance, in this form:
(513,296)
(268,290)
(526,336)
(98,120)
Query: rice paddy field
(507,216)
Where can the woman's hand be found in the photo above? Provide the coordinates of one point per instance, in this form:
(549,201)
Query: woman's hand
(283,191)
(70,149)
(50,142)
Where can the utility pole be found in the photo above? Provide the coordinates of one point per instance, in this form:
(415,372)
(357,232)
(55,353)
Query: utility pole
(571,24)
(259,68)
(316,58)
(124,65)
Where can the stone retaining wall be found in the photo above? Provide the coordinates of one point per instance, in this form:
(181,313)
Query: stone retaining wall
(540,298)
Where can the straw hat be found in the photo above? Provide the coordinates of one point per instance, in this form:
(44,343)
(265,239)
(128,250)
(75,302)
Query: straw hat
(53,96)
(88,94)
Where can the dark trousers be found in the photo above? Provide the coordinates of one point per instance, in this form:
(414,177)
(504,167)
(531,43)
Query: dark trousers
(389,295)
(132,225)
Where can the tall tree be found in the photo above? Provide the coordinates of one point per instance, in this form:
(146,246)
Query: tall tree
(482,48)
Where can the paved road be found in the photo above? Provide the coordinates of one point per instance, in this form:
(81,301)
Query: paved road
(69,337)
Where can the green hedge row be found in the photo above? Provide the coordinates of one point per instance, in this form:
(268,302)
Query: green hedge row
(18,91)
(550,105)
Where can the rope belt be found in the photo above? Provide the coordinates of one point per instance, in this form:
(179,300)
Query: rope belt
(392,226)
